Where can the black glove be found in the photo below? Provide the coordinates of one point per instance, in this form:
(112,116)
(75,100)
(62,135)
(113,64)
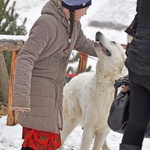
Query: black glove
(124,81)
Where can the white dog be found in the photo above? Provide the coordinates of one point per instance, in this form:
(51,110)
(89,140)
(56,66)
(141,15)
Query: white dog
(88,96)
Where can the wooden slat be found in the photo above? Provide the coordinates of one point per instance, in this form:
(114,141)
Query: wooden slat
(4,78)
(10,45)
(82,63)
(11,118)
(124,46)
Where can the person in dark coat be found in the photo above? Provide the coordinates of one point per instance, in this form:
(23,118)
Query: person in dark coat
(138,64)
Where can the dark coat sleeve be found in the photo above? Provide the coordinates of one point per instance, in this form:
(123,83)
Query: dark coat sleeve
(131,29)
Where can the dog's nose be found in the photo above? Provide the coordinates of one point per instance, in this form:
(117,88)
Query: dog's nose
(97,36)
(99,32)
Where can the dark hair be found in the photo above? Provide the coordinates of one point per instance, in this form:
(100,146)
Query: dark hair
(71,24)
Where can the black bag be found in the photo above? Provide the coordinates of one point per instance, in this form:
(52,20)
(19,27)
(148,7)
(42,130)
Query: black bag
(119,111)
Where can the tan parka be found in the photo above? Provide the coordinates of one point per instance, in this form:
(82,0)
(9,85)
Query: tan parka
(41,68)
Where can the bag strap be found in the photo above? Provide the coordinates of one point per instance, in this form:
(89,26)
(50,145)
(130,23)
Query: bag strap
(116,92)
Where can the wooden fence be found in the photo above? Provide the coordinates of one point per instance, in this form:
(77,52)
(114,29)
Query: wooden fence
(7,84)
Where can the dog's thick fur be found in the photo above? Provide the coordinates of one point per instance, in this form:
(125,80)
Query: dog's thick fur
(88,97)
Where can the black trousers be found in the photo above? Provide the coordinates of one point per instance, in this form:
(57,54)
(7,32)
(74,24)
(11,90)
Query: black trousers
(139,115)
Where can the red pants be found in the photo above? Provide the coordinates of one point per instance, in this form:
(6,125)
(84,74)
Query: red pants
(40,140)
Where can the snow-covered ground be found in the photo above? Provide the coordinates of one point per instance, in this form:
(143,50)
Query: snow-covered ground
(10,138)
(108,16)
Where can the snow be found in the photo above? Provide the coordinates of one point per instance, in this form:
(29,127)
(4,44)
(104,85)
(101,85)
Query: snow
(102,13)
(10,138)
(10,37)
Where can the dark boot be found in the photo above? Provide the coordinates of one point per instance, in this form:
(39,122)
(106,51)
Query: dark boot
(26,148)
(129,147)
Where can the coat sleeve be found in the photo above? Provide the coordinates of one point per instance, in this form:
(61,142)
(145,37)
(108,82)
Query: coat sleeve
(29,53)
(131,29)
(84,44)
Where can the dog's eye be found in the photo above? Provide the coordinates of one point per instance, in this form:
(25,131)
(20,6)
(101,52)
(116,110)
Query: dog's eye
(113,42)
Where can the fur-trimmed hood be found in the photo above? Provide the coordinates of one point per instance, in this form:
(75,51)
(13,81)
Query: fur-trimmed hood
(54,8)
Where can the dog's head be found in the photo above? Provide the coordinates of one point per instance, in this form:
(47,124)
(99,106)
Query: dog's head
(111,56)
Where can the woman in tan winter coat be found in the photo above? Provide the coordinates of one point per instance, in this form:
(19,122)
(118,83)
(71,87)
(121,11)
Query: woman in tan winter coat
(41,68)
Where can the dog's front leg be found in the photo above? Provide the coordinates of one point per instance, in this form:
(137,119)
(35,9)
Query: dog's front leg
(100,140)
(87,137)
(105,146)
